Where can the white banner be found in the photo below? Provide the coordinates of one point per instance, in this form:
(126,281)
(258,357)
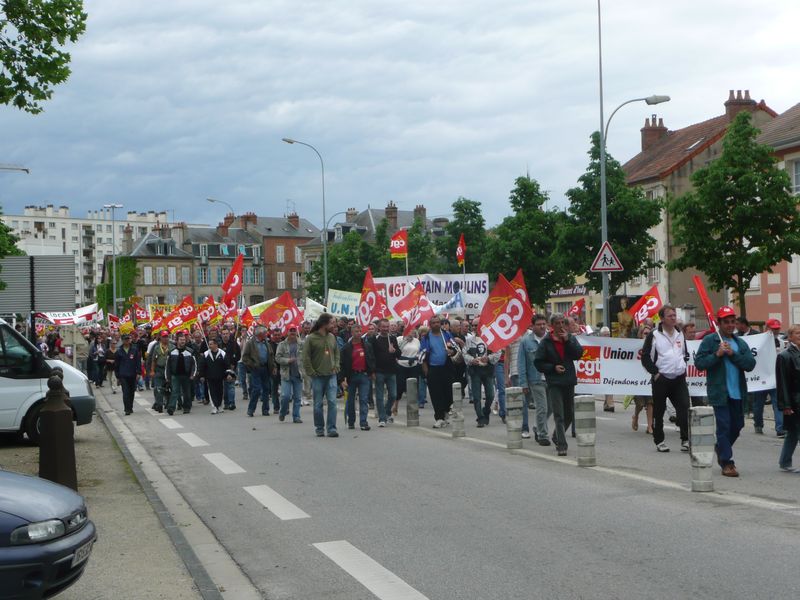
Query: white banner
(312,310)
(439,289)
(84,314)
(343,304)
(613,366)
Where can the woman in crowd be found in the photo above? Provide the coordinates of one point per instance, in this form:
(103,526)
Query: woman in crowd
(643,402)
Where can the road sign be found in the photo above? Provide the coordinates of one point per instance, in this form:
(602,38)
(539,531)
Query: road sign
(606,261)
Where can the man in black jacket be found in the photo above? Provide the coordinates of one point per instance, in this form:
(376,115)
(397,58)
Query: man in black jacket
(214,371)
(358,365)
(787,376)
(386,352)
(555,359)
(180,374)
(233,354)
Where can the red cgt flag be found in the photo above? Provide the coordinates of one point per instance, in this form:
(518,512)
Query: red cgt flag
(505,316)
(372,306)
(182,317)
(576,309)
(398,245)
(140,313)
(208,313)
(647,306)
(701,290)
(282,314)
(461,251)
(518,283)
(247,317)
(233,282)
(414,308)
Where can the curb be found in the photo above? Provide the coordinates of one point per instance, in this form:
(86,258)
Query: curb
(205,585)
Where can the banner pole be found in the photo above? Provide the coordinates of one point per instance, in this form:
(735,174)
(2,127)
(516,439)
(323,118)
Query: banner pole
(406,265)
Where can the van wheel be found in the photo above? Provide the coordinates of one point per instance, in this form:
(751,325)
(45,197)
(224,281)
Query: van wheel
(33,423)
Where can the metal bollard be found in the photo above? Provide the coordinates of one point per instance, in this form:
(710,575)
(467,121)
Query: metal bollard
(458,412)
(56,442)
(412,408)
(585,430)
(702,438)
(514,400)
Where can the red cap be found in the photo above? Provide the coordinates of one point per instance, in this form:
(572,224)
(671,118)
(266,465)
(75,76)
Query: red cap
(165,333)
(725,311)
(773,324)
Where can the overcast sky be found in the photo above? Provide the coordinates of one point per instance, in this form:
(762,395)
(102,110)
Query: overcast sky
(417,102)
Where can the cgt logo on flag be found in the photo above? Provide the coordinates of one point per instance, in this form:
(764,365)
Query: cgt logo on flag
(588,367)
(398,245)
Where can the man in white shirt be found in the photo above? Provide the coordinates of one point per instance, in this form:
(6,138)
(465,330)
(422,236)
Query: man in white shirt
(664,356)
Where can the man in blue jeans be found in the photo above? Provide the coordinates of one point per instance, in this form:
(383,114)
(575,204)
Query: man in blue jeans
(321,363)
(288,355)
(260,364)
(787,378)
(386,352)
(761,398)
(357,367)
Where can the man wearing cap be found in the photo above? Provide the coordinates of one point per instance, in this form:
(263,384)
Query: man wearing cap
(157,357)
(726,358)
(787,379)
(764,396)
(180,373)
(127,366)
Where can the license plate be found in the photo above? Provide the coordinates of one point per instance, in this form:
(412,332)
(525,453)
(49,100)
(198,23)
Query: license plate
(82,553)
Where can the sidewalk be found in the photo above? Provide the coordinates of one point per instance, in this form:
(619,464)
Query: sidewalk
(134,557)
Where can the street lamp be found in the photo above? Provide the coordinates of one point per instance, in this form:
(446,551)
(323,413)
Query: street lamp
(113,207)
(655,99)
(214,200)
(15,168)
(325,232)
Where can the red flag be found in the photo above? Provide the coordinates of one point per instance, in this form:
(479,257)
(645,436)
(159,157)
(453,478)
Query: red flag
(233,282)
(183,316)
(505,316)
(372,305)
(647,306)
(398,245)
(127,317)
(576,309)
(207,313)
(282,314)
(414,308)
(113,321)
(461,251)
(701,290)
(247,318)
(140,313)
(518,283)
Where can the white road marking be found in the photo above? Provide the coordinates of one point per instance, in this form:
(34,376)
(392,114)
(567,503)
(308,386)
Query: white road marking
(141,401)
(380,581)
(155,413)
(223,463)
(604,418)
(170,423)
(275,503)
(193,439)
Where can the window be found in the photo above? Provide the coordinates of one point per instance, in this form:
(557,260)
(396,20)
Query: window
(142,231)
(148,275)
(222,274)
(563,307)
(202,275)
(248,275)
(122,228)
(108,229)
(98,227)
(279,254)
(74,253)
(256,251)
(308,265)
(74,238)
(796,178)
(203,249)
(74,226)
(295,281)
(298,255)
(159,275)
(258,275)
(172,275)
(654,274)
(99,240)
(186,275)
(224,250)
(281,280)
(51,225)
(159,249)
(755,282)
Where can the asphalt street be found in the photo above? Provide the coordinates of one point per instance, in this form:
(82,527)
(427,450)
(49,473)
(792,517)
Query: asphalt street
(409,513)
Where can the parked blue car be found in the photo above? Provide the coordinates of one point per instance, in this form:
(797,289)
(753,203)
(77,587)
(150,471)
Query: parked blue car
(45,537)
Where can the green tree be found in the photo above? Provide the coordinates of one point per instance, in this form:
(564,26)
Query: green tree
(741,219)
(346,266)
(8,245)
(528,239)
(630,216)
(467,219)
(33,34)
(126,284)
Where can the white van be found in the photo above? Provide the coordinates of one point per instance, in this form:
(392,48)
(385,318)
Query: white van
(23,385)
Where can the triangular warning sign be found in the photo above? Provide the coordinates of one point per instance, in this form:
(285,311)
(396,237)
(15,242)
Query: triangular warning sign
(606,260)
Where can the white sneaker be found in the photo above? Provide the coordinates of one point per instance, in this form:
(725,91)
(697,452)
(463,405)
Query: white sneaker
(214,410)
(662,447)
(381,424)
(222,409)
(495,407)
(391,419)
(685,446)
(526,435)
(438,424)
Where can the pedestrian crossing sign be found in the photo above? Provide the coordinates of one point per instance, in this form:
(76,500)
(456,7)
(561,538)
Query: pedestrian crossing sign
(606,260)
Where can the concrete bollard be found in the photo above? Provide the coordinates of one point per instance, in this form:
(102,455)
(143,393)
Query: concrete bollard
(412,408)
(702,439)
(56,442)
(514,400)
(585,430)
(458,412)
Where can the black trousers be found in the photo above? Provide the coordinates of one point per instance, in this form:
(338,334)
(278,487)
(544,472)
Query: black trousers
(128,388)
(440,387)
(215,391)
(678,393)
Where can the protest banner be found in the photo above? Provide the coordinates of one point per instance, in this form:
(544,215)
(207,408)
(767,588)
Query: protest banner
(506,315)
(371,304)
(613,366)
(282,314)
(439,289)
(343,304)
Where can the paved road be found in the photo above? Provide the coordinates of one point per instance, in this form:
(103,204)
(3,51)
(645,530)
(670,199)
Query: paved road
(410,513)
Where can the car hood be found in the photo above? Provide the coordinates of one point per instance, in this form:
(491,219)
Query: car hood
(74,380)
(35,499)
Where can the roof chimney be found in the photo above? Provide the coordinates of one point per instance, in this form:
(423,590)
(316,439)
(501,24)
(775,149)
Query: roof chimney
(421,214)
(222,228)
(738,103)
(248,219)
(652,133)
(294,220)
(351,215)
(127,240)
(391,215)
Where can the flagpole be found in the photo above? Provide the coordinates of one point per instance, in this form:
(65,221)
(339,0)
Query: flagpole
(406,265)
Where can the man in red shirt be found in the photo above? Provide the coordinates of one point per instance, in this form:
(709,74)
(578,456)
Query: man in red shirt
(358,364)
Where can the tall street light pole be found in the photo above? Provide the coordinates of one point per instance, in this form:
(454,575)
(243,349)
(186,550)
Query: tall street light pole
(113,207)
(655,99)
(214,200)
(325,232)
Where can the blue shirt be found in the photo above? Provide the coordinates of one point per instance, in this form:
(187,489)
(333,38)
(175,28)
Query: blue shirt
(263,352)
(732,372)
(437,352)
